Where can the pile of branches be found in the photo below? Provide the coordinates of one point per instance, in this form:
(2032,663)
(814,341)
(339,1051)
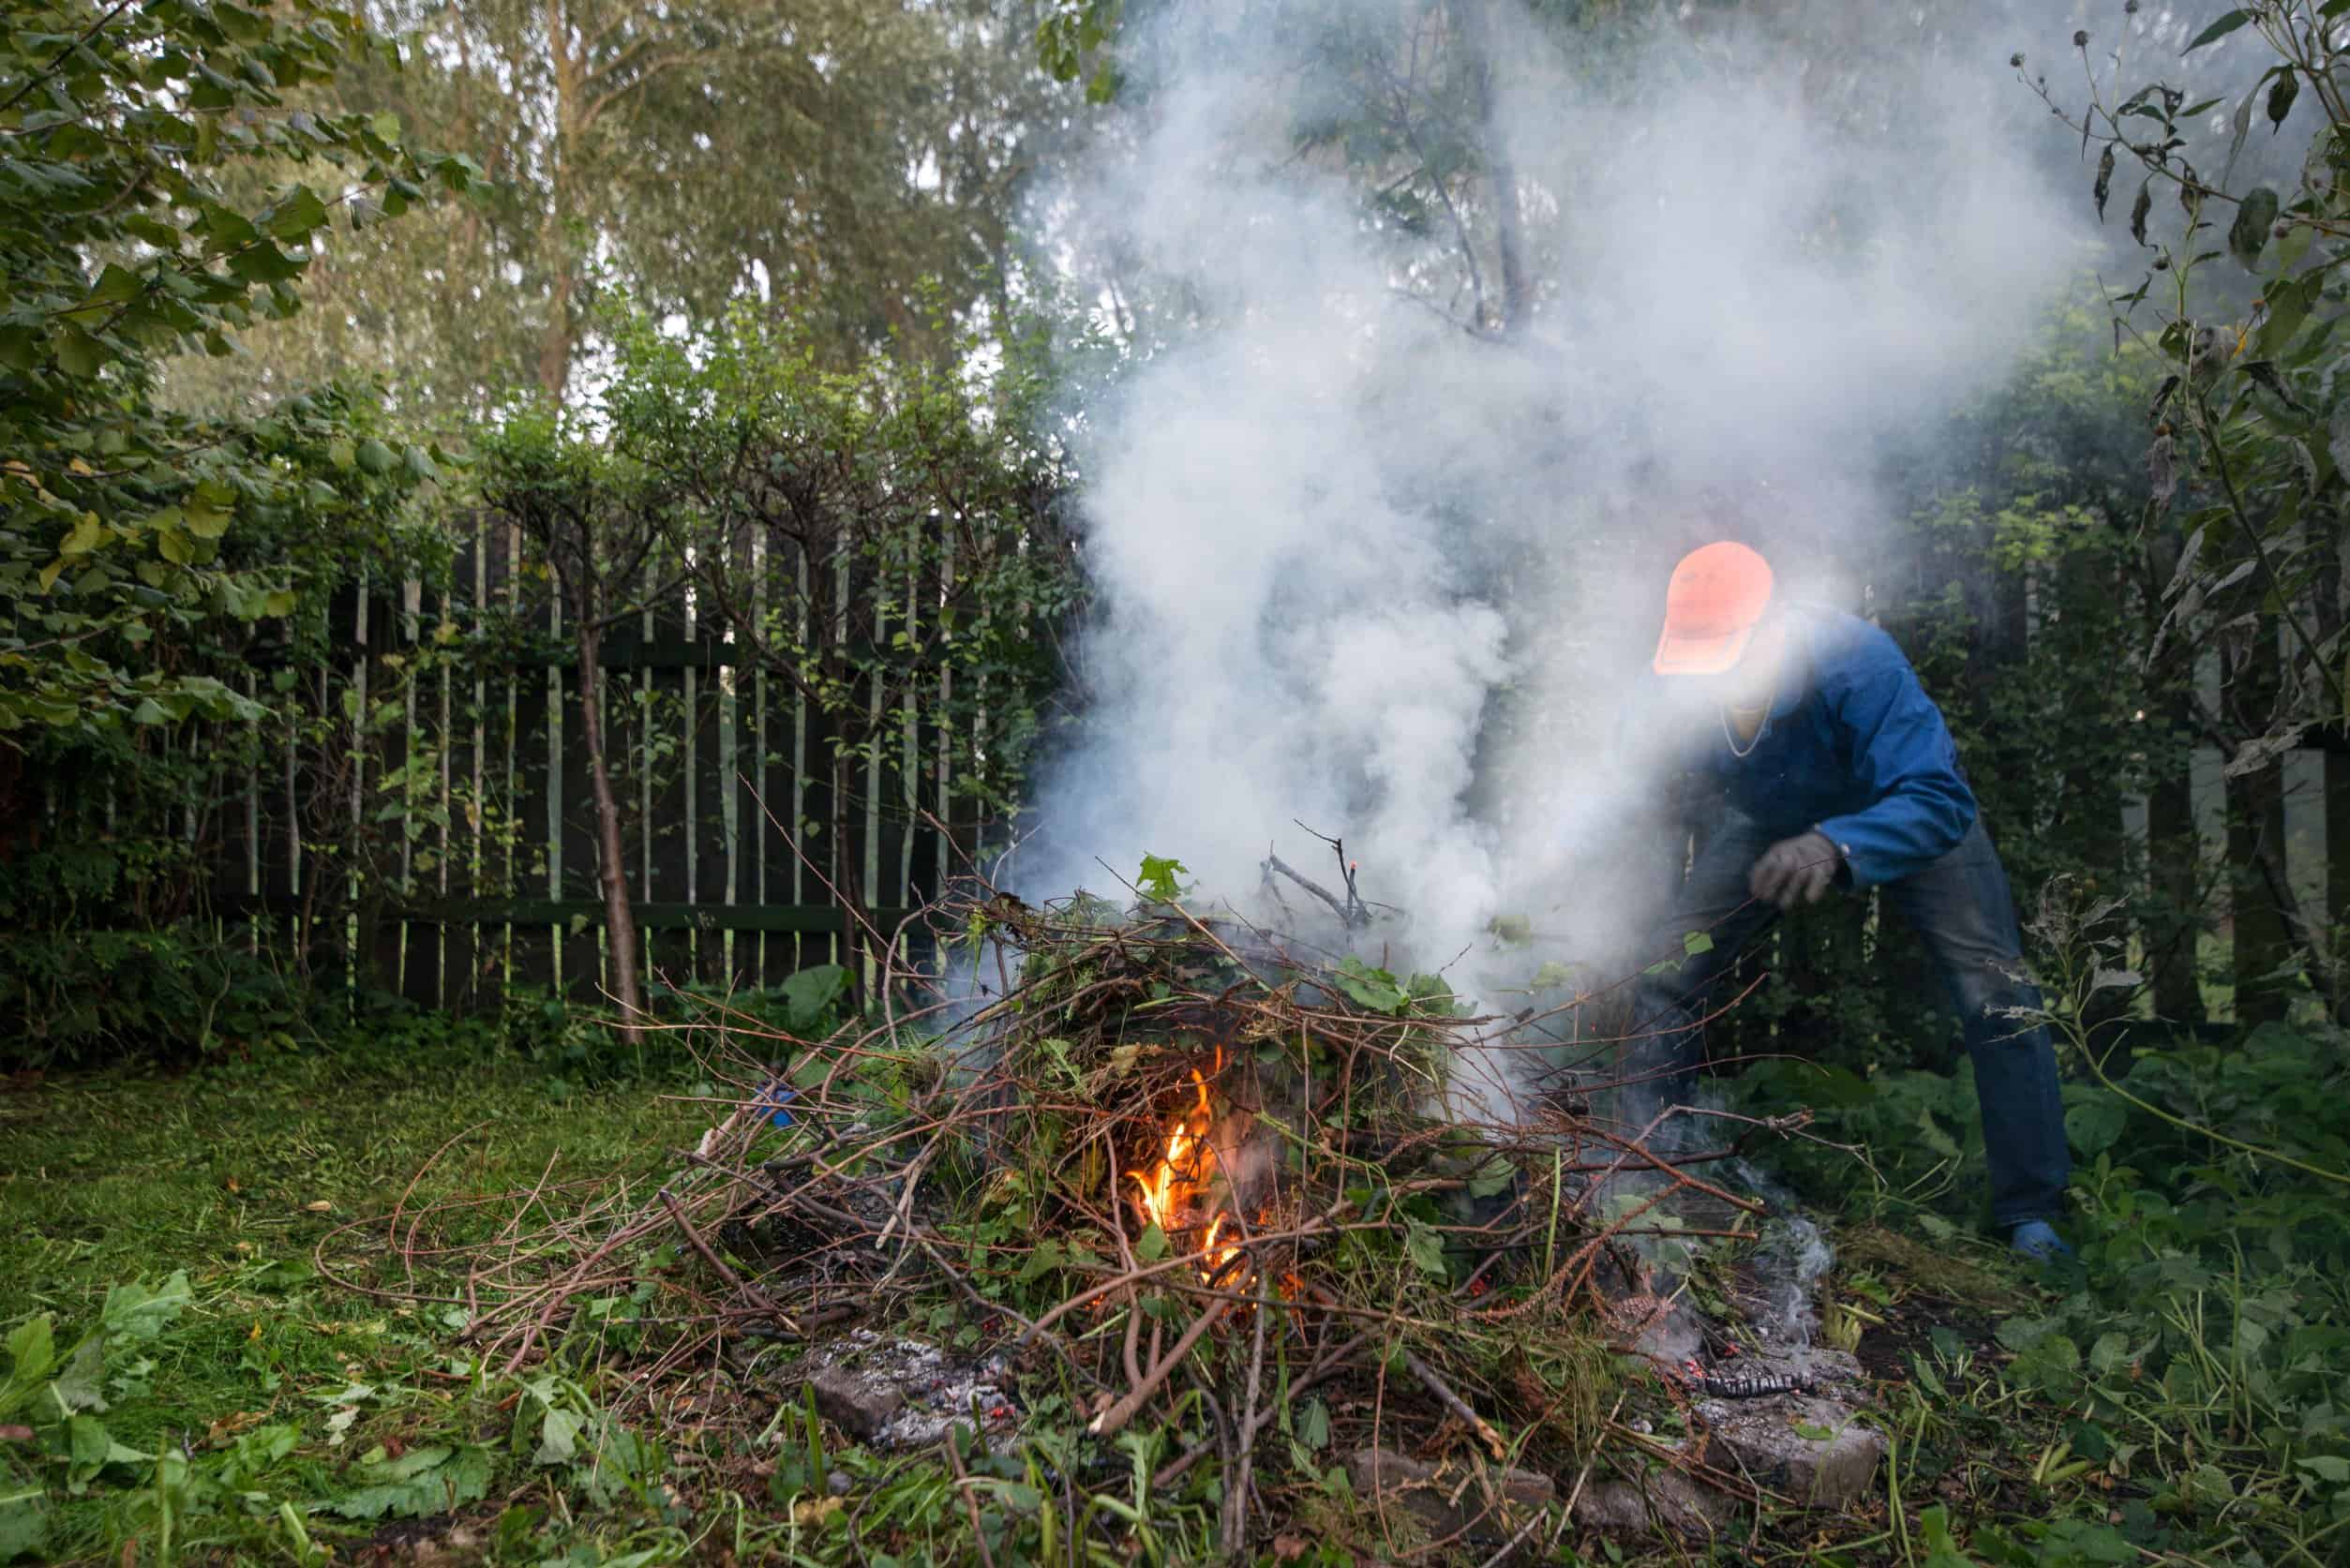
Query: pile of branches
(1184,1175)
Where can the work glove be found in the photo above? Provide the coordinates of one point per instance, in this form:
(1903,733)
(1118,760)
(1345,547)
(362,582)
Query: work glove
(1793,869)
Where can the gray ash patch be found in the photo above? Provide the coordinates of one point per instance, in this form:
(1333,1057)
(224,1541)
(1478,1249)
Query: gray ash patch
(893,1393)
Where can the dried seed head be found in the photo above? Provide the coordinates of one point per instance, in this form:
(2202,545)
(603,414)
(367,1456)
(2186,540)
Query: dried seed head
(2080,39)
(2016,59)
(2129,8)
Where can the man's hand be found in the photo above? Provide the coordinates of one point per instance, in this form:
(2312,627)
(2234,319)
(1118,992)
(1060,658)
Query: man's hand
(1797,868)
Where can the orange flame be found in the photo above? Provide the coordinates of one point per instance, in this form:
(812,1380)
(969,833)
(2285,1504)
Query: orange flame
(1167,1195)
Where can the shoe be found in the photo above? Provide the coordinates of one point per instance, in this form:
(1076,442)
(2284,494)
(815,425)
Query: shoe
(2037,1240)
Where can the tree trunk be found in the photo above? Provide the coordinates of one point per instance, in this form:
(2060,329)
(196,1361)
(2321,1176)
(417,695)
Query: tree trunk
(2173,928)
(2175,918)
(2261,928)
(1476,26)
(620,912)
(2337,913)
(2334,778)
(569,74)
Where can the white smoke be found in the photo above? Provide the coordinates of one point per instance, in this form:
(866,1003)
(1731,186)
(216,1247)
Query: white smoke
(1360,568)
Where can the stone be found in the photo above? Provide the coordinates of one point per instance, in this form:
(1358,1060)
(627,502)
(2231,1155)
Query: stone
(1663,1501)
(900,1393)
(861,1406)
(1447,1499)
(1760,1439)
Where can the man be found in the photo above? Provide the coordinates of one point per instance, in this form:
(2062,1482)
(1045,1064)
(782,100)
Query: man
(1839,772)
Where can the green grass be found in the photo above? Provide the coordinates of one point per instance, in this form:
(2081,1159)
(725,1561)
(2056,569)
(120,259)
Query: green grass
(2174,1396)
(235,1174)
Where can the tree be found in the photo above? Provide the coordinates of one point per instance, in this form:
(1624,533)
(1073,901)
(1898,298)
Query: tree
(841,160)
(604,533)
(127,129)
(884,546)
(2250,431)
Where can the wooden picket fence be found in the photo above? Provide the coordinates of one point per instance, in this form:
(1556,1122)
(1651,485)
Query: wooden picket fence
(473,867)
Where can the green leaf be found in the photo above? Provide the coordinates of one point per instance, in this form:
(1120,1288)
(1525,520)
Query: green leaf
(298,215)
(2095,1125)
(386,125)
(1494,1177)
(1374,988)
(1046,1258)
(558,1437)
(32,1353)
(1696,942)
(174,546)
(2110,1354)
(340,453)
(1313,1425)
(81,1384)
(434,1479)
(2227,23)
(375,458)
(1426,1249)
(1158,882)
(139,1311)
(1151,1246)
(79,353)
(810,992)
(2326,1467)
(115,285)
(84,537)
(24,1515)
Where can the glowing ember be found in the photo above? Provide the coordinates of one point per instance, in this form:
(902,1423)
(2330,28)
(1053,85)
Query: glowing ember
(1168,1195)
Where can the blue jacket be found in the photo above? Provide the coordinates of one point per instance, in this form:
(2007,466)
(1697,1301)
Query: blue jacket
(1854,747)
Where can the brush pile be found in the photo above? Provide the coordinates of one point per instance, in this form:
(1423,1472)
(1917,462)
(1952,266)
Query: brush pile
(1231,1214)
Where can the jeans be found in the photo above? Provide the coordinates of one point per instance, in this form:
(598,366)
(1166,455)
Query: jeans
(1961,906)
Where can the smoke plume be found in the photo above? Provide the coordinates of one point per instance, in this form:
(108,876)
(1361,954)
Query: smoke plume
(1379,545)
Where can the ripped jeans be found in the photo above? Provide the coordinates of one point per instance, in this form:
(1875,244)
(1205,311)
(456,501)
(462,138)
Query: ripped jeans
(1961,906)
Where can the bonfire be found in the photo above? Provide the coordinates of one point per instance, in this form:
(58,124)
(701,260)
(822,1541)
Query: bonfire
(1174,1173)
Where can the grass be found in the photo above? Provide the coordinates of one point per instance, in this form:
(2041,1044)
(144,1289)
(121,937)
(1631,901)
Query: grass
(2172,1396)
(232,1175)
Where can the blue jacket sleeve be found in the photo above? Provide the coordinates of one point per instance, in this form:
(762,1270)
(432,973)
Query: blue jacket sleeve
(1904,760)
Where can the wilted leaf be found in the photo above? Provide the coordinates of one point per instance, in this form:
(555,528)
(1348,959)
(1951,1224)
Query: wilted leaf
(2249,234)
(2161,470)
(2104,181)
(2262,372)
(2338,438)
(2139,208)
(2239,127)
(2281,96)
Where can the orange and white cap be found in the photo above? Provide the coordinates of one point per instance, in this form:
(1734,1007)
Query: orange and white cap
(1712,604)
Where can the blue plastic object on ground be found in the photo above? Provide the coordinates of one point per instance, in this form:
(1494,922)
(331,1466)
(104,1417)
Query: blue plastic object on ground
(2037,1238)
(774,1097)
